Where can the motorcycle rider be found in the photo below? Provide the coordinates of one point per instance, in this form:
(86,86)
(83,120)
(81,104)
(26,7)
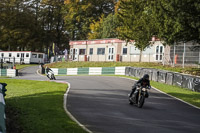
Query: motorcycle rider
(144,81)
(48,70)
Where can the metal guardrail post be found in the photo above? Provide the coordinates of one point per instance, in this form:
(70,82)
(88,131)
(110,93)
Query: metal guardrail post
(1,67)
(2,107)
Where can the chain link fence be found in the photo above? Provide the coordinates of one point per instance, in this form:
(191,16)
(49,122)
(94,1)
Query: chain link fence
(184,54)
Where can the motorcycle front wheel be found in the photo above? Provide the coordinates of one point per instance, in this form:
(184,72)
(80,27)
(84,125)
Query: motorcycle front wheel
(141,101)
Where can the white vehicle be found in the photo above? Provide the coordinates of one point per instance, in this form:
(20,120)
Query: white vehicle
(26,57)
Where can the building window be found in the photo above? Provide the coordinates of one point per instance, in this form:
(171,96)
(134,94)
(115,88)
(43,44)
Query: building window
(34,55)
(27,54)
(157,49)
(91,51)
(10,54)
(159,53)
(161,49)
(124,51)
(100,51)
(18,54)
(81,51)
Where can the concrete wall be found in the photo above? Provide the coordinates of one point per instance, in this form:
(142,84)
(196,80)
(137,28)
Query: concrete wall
(167,77)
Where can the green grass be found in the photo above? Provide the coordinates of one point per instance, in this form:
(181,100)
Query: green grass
(181,93)
(2,77)
(37,107)
(188,70)
(21,66)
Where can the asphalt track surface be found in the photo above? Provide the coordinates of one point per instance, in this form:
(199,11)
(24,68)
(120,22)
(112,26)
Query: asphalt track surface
(100,103)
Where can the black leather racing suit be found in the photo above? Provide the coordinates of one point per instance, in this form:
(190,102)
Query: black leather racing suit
(142,82)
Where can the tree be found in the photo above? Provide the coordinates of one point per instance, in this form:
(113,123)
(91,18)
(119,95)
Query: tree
(136,23)
(96,29)
(177,20)
(104,28)
(110,26)
(54,24)
(16,20)
(32,25)
(81,14)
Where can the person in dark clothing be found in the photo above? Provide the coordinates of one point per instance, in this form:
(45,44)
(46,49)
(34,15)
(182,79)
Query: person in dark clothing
(144,81)
(47,71)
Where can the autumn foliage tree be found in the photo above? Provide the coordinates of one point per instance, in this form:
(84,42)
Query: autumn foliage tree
(177,20)
(31,25)
(136,23)
(80,14)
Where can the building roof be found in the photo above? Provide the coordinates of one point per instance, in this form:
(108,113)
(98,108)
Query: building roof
(102,41)
(21,51)
(15,51)
(97,41)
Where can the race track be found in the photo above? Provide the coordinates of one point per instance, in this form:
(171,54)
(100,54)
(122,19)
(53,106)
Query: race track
(100,103)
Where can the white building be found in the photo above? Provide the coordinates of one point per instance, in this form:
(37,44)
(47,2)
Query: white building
(114,50)
(26,57)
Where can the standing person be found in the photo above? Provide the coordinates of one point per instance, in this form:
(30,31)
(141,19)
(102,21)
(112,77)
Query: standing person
(42,68)
(66,54)
(144,81)
(14,67)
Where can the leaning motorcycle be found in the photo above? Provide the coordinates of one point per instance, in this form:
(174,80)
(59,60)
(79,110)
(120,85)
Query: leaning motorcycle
(138,98)
(50,75)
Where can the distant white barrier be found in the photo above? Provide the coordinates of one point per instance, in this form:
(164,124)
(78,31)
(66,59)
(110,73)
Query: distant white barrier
(8,72)
(90,71)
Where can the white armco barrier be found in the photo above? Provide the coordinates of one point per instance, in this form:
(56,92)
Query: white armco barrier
(95,70)
(72,71)
(120,70)
(8,72)
(11,72)
(55,70)
(90,71)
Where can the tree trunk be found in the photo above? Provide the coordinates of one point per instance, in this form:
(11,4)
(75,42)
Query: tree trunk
(140,58)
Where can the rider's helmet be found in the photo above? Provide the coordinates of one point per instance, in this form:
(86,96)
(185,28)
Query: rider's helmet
(146,77)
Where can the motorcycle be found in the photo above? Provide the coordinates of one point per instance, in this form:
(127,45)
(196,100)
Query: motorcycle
(138,98)
(51,76)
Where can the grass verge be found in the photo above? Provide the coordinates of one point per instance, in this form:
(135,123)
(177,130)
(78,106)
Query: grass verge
(21,66)
(181,93)
(37,107)
(3,77)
